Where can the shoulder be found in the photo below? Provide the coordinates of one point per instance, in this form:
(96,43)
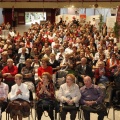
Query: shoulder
(4,84)
(24,85)
(82,88)
(63,85)
(95,86)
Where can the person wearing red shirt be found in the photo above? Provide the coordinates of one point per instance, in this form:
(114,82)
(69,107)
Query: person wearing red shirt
(9,72)
(44,68)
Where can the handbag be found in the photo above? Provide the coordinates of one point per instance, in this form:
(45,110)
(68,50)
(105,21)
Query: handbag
(16,105)
(45,103)
(65,106)
(95,108)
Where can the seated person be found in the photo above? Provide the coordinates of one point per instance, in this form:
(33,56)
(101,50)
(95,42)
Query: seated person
(91,95)
(82,70)
(101,76)
(45,90)
(69,95)
(117,76)
(28,77)
(20,95)
(3,94)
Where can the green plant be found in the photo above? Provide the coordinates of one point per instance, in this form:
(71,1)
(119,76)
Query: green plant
(101,22)
(116,30)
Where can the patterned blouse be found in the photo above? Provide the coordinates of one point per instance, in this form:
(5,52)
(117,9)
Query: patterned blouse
(50,89)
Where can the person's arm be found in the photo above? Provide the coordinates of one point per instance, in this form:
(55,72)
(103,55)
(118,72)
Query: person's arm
(24,92)
(5,95)
(15,71)
(100,95)
(61,93)
(12,94)
(78,95)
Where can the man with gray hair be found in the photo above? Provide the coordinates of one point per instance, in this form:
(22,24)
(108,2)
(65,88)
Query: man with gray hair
(91,97)
(82,70)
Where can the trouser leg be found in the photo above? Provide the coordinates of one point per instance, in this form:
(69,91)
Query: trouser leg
(63,114)
(100,115)
(73,114)
(86,115)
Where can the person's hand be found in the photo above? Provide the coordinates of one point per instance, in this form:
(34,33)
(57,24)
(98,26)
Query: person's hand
(18,92)
(43,87)
(89,103)
(66,100)
(2,98)
(70,102)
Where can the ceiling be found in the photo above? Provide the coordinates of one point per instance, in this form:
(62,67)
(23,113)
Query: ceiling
(58,3)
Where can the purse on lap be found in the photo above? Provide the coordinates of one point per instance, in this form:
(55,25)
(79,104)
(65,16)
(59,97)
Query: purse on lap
(45,103)
(65,106)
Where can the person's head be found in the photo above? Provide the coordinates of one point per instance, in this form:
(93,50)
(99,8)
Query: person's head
(4,56)
(10,62)
(61,49)
(28,62)
(67,56)
(23,50)
(44,61)
(47,51)
(36,58)
(101,57)
(82,54)
(46,77)
(83,61)
(115,49)
(87,81)
(74,48)
(113,56)
(70,79)
(101,64)
(52,56)
(18,79)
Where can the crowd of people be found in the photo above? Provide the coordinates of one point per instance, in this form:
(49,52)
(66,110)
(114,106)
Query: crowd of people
(31,62)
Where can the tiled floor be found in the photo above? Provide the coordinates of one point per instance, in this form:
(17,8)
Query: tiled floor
(23,28)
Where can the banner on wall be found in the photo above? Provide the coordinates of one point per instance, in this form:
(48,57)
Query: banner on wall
(82,16)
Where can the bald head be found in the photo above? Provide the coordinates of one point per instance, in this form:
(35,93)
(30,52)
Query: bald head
(83,61)
(87,81)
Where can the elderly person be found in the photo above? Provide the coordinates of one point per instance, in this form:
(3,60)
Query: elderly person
(45,90)
(3,94)
(69,95)
(83,69)
(91,95)
(19,94)
(9,73)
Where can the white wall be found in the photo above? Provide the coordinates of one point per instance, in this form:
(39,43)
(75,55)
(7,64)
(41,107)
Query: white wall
(106,12)
(1,16)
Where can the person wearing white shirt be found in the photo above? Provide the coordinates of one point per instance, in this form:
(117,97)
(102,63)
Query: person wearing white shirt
(69,50)
(19,94)
(69,94)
